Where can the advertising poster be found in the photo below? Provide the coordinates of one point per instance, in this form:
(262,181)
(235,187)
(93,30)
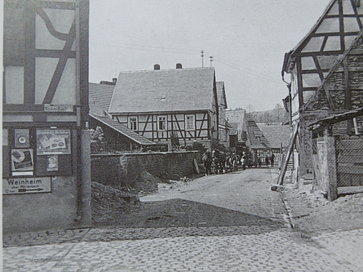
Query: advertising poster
(22,160)
(52,163)
(53,141)
(21,138)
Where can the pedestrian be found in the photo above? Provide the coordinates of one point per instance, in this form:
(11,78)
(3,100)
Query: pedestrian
(207,161)
(267,162)
(272,159)
(259,162)
(244,161)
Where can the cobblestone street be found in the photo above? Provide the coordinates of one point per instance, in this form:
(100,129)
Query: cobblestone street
(232,222)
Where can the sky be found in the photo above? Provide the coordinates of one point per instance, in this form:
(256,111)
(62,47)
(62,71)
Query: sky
(247,39)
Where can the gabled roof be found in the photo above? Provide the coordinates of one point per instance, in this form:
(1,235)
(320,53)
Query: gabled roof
(100,97)
(164,91)
(221,93)
(328,24)
(320,97)
(116,126)
(332,34)
(237,119)
(277,135)
(256,139)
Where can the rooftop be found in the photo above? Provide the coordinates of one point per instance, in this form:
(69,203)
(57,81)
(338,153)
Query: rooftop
(164,90)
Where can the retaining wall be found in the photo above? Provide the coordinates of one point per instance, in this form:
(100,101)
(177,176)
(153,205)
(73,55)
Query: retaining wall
(123,170)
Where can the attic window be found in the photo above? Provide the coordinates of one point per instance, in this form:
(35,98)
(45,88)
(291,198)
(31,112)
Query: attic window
(163,98)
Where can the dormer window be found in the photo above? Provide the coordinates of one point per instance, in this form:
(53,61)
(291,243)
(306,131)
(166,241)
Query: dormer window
(163,98)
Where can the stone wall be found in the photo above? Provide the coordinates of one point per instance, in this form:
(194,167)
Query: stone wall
(124,170)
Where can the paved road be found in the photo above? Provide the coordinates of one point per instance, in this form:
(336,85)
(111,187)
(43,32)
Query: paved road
(234,223)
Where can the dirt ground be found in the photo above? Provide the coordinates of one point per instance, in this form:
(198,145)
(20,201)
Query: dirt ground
(313,214)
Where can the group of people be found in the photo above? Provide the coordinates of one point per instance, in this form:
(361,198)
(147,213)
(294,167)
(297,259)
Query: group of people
(269,161)
(219,162)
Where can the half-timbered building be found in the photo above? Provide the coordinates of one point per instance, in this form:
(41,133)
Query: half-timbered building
(160,103)
(222,105)
(46,162)
(310,62)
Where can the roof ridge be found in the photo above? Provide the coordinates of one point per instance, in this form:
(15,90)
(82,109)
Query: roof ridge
(165,70)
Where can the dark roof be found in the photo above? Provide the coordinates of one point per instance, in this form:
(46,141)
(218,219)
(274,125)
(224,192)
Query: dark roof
(256,139)
(100,97)
(122,130)
(164,90)
(276,134)
(221,93)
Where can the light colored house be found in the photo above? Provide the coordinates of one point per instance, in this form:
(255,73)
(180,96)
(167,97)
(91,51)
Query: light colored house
(160,103)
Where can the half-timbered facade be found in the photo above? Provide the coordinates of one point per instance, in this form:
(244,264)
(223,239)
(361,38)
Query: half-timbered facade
(310,62)
(222,106)
(160,103)
(46,163)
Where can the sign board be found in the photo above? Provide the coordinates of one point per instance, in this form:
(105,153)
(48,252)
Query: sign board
(53,141)
(32,185)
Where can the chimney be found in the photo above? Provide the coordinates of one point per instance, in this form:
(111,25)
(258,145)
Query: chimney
(157,67)
(179,66)
(114,80)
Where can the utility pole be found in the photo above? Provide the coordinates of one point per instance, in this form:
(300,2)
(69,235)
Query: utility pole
(211,61)
(202,55)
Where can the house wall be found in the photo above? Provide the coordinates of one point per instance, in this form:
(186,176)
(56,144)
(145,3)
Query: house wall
(124,170)
(50,186)
(147,126)
(58,208)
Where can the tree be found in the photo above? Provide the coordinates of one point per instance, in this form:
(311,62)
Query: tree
(250,108)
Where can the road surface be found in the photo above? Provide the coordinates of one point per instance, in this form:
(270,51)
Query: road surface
(229,222)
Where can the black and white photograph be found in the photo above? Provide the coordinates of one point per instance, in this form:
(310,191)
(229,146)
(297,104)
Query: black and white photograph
(182,135)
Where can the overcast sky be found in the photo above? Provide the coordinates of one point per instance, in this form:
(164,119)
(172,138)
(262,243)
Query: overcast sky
(247,39)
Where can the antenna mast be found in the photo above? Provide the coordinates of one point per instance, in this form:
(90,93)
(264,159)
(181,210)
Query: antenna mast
(202,55)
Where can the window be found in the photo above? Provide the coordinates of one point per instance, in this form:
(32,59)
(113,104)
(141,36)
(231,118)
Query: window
(189,122)
(161,123)
(133,123)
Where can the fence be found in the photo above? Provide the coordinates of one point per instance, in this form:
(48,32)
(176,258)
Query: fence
(338,165)
(349,154)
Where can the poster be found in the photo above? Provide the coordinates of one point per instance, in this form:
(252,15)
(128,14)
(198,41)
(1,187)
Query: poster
(52,163)
(22,160)
(21,138)
(53,141)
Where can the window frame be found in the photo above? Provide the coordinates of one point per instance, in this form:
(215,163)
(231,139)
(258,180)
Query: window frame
(186,122)
(131,119)
(158,123)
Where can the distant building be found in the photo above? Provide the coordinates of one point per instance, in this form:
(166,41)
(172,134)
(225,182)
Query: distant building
(222,124)
(257,143)
(278,137)
(157,104)
(237,120)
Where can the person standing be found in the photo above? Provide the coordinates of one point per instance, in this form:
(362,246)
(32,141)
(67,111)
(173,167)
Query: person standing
(267,161)
(272,160)
(207,161)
